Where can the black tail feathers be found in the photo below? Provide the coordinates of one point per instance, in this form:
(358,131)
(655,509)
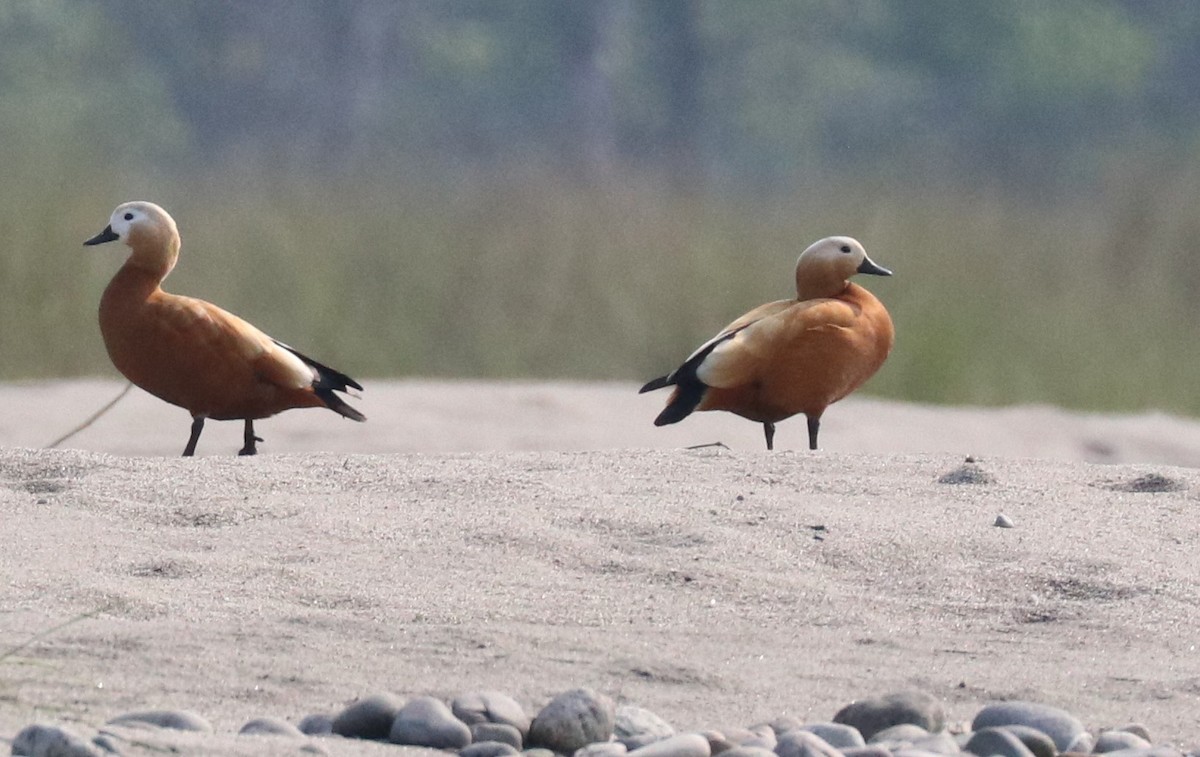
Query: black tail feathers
(329,381)
(687,396)
(659,383)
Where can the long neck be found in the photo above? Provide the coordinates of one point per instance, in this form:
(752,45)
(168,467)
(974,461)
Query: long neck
(813,282)
(153,251)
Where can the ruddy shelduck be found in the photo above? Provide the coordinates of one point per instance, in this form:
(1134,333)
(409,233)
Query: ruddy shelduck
(192,353)
(790,356)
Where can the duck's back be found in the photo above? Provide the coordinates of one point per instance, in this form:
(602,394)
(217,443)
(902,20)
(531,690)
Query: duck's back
(800,359)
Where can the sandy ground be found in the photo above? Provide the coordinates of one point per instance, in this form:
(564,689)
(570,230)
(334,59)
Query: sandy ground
(537,537)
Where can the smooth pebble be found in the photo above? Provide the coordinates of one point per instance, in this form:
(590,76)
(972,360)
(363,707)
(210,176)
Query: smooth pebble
(428,722)
(271,725)
(53,741)
(368,718)
(746,751)
(901,733)
(870,750)
(637,727)
(1112,741)
(488,749)
(996,741)
(502,732)
(572,720)
(1061,726)
(1002,521)
(680,745)
(800,743)
(1034,740)
(316,724)
(837,735)
(874,714)
(178,720)
(490,707)
(602,749)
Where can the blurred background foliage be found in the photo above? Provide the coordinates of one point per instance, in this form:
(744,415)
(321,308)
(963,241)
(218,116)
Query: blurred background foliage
(541,188)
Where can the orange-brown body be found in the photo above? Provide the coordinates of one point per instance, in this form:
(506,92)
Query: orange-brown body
(804,357)
(790,356)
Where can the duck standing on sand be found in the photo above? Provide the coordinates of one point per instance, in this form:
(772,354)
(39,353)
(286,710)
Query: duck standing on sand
(790,356)
(192,353)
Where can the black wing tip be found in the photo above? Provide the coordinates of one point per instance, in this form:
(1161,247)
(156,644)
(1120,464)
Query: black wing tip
(653,384)
(339,406)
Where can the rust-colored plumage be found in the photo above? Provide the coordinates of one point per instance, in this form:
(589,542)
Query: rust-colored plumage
(791,356)
(192,353)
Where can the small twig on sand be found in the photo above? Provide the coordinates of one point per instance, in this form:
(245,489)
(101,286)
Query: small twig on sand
(43,634)
(722,445)
(91,420)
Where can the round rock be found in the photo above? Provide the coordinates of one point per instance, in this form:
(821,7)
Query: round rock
(502,732)
(490,707)
(937,743)
(837,735)
(602,749)
(1137,729)
(53,741)
(870,750)
(746,751)
(903,733)
(1034,740)
(368,718)
(1112,741)
(996,741)
(801,743)
(179,720)
(1061,726)
(784,723)
(268,725)
(316,724)
(428,722)
(488,749)
(572,720)
(681,745)
(636,727)
(872,715)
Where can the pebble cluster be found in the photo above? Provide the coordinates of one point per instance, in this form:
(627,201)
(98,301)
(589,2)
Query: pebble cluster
(584,723)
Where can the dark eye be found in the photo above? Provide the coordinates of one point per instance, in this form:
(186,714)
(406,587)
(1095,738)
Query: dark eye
(129,217)
(843,248)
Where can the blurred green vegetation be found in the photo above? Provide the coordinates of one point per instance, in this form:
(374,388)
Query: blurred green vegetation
(546,189)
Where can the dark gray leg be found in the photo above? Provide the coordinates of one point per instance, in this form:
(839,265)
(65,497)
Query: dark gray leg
(769,432)
(197,427)
(814,425)
(249,448)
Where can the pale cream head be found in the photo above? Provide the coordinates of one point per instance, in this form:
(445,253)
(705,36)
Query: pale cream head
(824,269)
(148,230)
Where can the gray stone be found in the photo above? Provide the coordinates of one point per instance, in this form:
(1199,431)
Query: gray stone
(426,721)
(490,707)
(996,741)
(316,724)
(53,741)
(488,749)
(872,715)
(901,733)
(602,749)
(538,751)
(1002,521)
(783,724)
(368,718)
(636,727)
(717,743)
(1061,726)
(1112,741)
(938,743)
(1034,740)
(746,751)
(178,720)
(502,732)
(801,743)
(1082,744)
(837,735)
(680,745)
(271,726)
(909,751)
(870,750)
(1154,751)
(1137,729)
(572,720)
